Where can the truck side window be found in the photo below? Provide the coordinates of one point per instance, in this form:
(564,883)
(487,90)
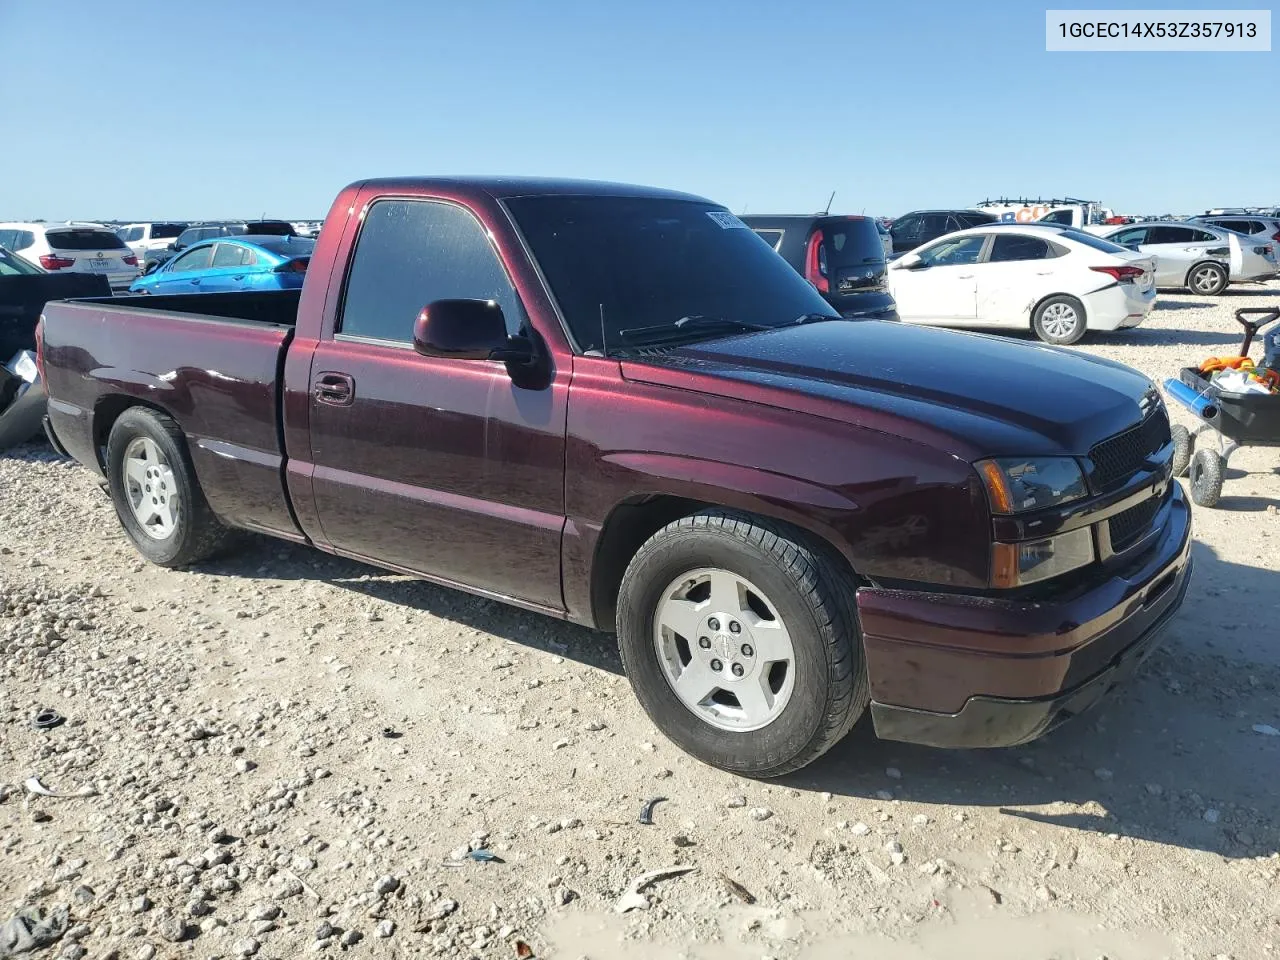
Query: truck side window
(412,252)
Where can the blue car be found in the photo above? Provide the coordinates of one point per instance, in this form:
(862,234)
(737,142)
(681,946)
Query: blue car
(232,263)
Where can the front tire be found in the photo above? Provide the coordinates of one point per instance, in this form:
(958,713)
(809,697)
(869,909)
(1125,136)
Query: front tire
(1207,279)
(1207,469)
(741,643)
(156,494)
(1060,320)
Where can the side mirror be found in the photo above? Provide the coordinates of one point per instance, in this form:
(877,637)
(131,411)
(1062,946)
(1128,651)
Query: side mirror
(468,330)
(909,261)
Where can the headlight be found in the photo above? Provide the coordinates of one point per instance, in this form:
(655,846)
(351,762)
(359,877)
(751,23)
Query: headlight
(1022,484)
(1018,564)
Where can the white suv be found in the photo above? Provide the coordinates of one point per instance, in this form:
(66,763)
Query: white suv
(142,238)
(74,248)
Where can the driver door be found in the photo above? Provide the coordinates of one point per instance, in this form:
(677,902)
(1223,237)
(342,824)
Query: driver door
(942,285)
(438,466)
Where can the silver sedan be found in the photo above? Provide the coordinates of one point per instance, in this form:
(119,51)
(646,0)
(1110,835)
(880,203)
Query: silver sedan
(1198,256)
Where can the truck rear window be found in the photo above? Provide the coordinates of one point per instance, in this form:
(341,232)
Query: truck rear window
(84,240)
(623,262)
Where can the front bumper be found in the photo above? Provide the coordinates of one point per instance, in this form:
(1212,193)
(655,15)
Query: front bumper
(950,670)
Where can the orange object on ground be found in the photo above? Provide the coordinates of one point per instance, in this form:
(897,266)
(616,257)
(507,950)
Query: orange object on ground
(1226,363)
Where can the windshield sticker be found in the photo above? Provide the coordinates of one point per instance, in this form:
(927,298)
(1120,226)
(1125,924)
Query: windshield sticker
(726,220)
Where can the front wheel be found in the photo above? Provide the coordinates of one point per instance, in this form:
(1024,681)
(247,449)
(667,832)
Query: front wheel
(741,642)
(1059,320)
(155,492)
(1208,279)
(1207,469)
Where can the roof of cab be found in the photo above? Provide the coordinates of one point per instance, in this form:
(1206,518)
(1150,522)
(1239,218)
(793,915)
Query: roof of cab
(503,188)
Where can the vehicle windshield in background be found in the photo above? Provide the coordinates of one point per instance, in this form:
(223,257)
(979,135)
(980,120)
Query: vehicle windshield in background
(12,265)
(293,247)
(1089,240)
(84,240)
(853,242)
(647,262)
(166,231)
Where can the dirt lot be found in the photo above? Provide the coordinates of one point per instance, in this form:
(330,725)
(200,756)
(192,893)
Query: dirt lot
(290,753)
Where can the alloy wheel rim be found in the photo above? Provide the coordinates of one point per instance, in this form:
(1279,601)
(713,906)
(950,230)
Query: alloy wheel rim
(1207,280)
(151,488)
(724,649)
(1060,320)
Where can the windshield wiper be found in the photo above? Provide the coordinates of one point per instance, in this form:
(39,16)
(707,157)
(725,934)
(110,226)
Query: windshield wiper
(679,330)
(813,318)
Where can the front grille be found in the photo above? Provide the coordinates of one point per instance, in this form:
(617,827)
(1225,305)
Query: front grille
(1117,458)
(1128,527)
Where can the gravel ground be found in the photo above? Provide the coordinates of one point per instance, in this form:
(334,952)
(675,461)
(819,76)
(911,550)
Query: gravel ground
(286,753)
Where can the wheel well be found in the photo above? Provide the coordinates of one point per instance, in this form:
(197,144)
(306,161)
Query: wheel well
(105,415)
(634,521)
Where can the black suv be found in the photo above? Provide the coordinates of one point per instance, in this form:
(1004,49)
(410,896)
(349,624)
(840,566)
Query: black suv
(922,226)
(843,257)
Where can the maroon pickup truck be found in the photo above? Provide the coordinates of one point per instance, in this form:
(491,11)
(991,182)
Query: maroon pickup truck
(618,406)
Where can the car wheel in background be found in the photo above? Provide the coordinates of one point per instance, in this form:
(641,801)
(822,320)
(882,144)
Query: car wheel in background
(1059,320)
(1207,469)
(741,642)
(1183,445)
(1207,279)
(156,494)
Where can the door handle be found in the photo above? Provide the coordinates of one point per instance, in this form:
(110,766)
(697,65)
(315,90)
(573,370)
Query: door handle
(964,276)
(196,282)
(335,389)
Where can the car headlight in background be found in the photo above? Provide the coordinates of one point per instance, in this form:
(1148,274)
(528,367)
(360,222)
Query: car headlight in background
(1022,484)
(1018,564)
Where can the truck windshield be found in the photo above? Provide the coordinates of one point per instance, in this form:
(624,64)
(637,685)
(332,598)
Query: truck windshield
(627,263)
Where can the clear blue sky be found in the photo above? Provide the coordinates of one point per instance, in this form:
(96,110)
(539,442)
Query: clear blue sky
(141,109)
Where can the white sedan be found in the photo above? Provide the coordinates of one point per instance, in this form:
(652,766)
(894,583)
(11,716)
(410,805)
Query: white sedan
(1058,281)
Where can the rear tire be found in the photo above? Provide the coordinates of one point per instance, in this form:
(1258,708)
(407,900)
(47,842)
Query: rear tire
(1207,279)
(1183,447)
(1060,320)
(156,494)
(1207,469)
(763,626)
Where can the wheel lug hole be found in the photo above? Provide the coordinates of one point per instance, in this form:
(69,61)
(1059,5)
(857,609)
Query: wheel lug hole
(704,643)
(735,626)
(738,670)
(717,666)
(713,623)
(747,651)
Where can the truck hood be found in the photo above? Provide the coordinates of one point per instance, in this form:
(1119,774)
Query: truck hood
(993,395)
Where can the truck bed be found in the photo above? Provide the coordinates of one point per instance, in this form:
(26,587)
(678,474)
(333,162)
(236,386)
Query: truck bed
(213,362)
(278,307)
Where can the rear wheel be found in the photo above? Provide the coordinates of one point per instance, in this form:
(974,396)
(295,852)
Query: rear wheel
(741,642)
(1059,320)
(1183,446)
(1207,279)
(1207,469)
(155,492)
